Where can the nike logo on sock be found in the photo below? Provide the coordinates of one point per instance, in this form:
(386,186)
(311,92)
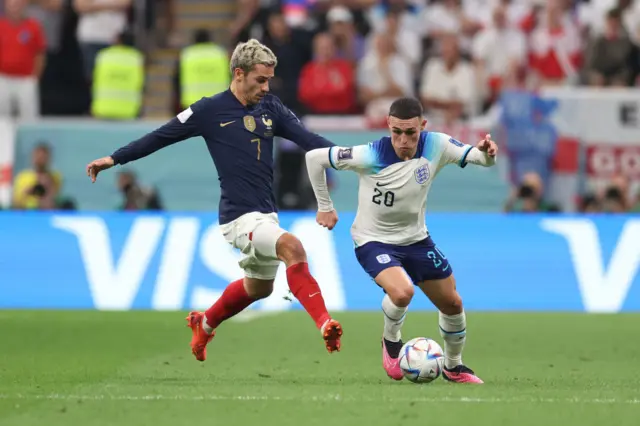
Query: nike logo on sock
(317,292)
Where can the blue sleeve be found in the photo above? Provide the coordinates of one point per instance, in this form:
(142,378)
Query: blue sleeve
(184,126)
(289,127)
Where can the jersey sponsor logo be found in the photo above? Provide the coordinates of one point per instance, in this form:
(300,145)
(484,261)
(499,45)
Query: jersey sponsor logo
(382,184)
(383,258)
(422,174)
(345,154)
(227,123)
(456,142)
(249,123)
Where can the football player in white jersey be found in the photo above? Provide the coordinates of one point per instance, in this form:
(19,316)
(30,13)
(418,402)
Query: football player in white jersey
(391,238)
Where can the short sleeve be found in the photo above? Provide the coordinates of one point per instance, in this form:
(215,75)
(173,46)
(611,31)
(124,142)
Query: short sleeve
(453,151)
(358,158)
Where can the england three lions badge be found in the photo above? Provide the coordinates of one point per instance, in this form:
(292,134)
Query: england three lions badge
(422,174)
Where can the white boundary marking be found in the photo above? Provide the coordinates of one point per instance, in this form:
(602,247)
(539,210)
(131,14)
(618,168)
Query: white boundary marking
(314,398)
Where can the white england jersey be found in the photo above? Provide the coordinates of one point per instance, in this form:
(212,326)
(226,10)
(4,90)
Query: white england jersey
(392,195)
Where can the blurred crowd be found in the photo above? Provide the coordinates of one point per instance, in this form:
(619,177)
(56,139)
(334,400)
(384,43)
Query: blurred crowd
(455,55)
(336,57)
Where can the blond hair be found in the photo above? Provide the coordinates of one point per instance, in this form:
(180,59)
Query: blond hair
(247,55)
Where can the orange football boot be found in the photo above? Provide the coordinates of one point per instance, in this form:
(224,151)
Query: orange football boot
(200,337)
(331,333)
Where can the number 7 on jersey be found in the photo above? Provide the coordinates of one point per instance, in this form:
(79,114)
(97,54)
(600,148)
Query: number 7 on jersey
(257,140)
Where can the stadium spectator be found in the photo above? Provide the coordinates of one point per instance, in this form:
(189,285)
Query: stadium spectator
(382,76)
(37,188)
(528,196)
(49,13)
(409,11)
(349,43)
(327,83)
(593,16)
(22,61)
(251,20)
(446,17)
(614,201)
(136,196)
(610,54)
(407,41)
(118,81)
(448,84)
(100,22)
(292,47)
(499,51)
(556,48)
(589,203)
(202,70)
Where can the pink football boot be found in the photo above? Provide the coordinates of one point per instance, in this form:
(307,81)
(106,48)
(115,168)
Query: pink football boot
(391,365)
(460,374)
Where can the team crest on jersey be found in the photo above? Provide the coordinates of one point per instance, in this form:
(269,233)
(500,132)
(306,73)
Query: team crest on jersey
(383,258)
(456,142)
(268,123)
(249,123)
(422,174)
(345,154)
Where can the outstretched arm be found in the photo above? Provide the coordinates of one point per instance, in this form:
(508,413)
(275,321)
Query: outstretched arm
(182,127)
(455,152)
(178,129)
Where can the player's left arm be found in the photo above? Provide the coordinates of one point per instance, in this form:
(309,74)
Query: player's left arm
(290,127)
(455,152)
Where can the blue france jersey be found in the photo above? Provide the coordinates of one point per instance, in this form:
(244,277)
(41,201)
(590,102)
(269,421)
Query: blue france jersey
(392,195)
(240,141)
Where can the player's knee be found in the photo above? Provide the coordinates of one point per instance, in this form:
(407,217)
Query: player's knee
(289,249)
(258,289)
(401,296)
(452,305)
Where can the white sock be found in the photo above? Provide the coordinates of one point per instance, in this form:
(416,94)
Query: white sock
(206,327)
(453,329)
(393,319)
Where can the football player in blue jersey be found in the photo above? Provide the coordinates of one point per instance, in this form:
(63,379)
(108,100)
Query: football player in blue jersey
(239,126)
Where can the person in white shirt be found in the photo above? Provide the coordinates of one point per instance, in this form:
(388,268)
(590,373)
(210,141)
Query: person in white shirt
(392,242)
(448,84)
(498,51)
(383,73)
(99,25)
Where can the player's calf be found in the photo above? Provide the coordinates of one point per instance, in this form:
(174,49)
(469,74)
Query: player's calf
(452,322)
(301,283)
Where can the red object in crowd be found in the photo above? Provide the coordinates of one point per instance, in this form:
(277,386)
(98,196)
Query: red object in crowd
(20,44)
(328,88)
(555,54)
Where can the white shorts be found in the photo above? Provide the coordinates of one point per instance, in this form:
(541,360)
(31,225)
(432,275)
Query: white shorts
(255,235)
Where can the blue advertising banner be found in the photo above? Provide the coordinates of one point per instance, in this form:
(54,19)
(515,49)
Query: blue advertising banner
(121,261)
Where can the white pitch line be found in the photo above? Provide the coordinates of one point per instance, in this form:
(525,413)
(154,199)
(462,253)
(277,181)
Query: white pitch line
(319,398)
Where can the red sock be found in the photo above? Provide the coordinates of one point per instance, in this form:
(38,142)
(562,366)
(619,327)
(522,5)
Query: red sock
(305,288)
(233,300)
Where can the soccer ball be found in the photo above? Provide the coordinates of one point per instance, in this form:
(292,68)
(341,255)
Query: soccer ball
(421,360)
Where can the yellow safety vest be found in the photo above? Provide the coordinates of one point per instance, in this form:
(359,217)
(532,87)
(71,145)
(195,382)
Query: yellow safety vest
(118,81)
(204,71)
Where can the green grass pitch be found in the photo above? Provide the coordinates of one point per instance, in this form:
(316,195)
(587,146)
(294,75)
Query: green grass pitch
(135,368)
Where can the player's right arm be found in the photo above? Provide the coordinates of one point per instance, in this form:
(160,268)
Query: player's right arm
(186,125)
(358,158)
